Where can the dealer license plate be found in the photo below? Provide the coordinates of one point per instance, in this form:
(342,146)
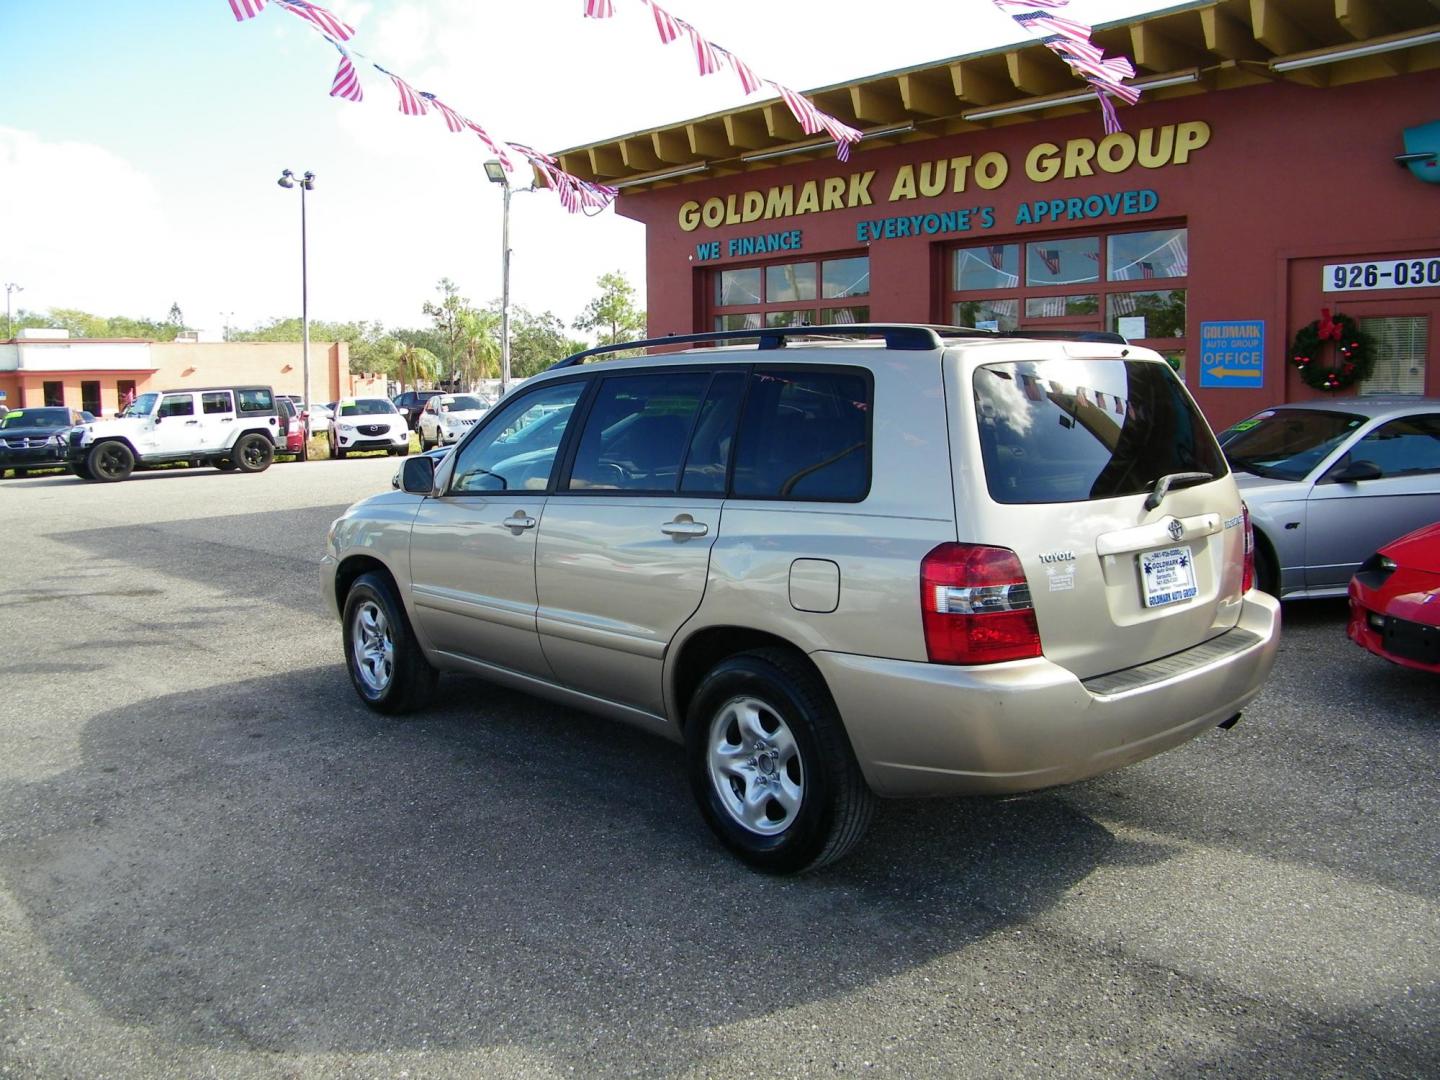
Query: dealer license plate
(1168,576)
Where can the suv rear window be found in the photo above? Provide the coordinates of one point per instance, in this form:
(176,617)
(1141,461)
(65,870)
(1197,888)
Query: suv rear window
(1054,431)
(805,435)
(256,399)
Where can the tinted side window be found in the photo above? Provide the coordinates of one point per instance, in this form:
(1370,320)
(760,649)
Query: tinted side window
(1406,447)
(177,405)
(636,433)
(709,455)
(217,402)
(515,450)
(1075,430)
(805,434)
(257,399)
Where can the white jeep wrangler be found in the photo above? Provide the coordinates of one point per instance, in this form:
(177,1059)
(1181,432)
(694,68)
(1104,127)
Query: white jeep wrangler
(230,427)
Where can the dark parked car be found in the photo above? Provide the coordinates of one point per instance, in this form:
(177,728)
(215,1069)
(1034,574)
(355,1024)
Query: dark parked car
(31,438)
(411,402)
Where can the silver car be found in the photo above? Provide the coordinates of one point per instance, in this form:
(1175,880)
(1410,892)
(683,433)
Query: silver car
(1329,482)
(850,562)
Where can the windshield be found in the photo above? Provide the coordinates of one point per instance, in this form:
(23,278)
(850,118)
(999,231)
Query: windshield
(143,405)
(28,418)
(1287,443)
(1074,430)
(463,403)
(366,407)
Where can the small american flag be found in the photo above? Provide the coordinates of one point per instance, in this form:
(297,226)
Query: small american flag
(1147,269)
(665,23)
(324,21)
(411,103)
(599,9)
(453,120)
(246,9)
(347,82)
(1051,258)
(705,55)
(749,81)
(495,148)
(997,255)
(805,113)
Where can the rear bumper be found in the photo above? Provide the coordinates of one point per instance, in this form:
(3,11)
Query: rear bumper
(928,729)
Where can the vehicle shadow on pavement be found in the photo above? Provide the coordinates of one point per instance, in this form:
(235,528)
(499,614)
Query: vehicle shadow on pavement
(267,865)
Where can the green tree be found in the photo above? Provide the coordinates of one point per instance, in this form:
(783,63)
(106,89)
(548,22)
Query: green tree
(175,318)
(613,315)
(447,316)
(537,341)
(412,362)
(479,344)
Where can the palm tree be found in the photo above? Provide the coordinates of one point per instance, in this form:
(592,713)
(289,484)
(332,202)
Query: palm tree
(411,361)
(477,341)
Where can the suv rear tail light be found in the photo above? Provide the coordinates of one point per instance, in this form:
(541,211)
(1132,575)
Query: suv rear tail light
(1247,579)
(975,606)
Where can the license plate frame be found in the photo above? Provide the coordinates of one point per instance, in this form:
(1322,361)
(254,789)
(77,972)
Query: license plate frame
(1167,576)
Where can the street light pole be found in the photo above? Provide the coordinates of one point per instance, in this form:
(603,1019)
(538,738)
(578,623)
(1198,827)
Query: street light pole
(305,183)
(10,287)
(495,172)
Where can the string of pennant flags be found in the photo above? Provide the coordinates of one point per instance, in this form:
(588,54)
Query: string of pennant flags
(575,194)
(1068,39)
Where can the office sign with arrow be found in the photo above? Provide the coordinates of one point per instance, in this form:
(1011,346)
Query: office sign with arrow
(1232,354)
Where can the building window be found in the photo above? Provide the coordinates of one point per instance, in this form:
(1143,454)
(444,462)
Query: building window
(1399,346)
(1131,283)
(125,389)
(90,396)
(813,292)
(54,395)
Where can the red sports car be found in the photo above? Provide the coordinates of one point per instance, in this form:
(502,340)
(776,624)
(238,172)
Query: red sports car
(1395,601)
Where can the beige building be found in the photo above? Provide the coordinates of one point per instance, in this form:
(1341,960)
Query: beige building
(48,367)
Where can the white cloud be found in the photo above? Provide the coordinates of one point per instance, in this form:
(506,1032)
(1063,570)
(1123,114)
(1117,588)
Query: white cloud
(81,227)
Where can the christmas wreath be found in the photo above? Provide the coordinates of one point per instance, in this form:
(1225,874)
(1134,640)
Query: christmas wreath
(1353,356)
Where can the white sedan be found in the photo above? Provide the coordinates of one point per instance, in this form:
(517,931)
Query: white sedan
(445,419)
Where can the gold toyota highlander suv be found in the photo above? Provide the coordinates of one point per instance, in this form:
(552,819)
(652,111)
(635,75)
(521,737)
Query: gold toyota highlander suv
(834,562)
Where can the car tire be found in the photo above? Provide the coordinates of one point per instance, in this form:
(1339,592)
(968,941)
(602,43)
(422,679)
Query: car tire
(225,465)
(386,666)
(252,453)
(19,474)
(425,444)
(82,470)
(403,451)
(110,461)
(1267,577)
(770,765)
(337,451)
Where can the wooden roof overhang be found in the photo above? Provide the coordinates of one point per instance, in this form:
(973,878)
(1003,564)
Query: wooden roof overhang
(1192,48)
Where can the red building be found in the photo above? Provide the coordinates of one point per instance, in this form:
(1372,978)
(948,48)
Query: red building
(1255,184)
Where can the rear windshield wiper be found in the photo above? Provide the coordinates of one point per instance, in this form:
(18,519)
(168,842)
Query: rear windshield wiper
(1175,479)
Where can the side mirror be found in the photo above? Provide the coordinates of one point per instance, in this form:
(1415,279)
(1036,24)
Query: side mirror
(1356,471)
(417,476)
(158,418)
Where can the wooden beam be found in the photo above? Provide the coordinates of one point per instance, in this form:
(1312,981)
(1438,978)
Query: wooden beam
(780,122)
(639,155)
(747,130)
(606,160)
(1154,51)
(976,87)
(708,141)
(1276,30)
(578,164)
(672,147)
(1363,19)
(930,97)
(1038,72)
(877,103)
(1227,37)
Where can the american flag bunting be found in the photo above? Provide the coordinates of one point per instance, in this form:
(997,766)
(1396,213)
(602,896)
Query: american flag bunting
(323,20)
(453,120)
(599,9)
(665,23)
(346,83)
(411,103)
(246,9)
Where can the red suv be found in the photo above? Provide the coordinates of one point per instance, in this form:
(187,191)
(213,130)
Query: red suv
(295,441)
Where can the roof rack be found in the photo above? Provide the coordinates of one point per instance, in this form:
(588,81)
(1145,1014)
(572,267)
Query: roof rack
(909,337)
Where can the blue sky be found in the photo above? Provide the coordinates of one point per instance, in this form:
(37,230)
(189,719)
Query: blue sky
(140,142)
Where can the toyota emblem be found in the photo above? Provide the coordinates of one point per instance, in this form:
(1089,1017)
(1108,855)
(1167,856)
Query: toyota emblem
(1176,529)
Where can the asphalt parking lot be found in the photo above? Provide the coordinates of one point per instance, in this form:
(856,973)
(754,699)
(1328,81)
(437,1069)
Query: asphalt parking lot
(213,861)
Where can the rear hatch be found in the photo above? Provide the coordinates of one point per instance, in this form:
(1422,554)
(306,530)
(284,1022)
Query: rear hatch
(1057,449)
